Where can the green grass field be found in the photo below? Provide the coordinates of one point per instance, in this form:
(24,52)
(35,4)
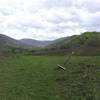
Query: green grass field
(37,78)
(28,78)
(81,80)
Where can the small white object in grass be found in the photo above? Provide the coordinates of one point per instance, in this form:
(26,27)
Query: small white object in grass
(61,67)
(73,52)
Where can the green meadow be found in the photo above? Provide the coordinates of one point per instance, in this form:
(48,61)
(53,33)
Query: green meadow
(28,78)
(39,78)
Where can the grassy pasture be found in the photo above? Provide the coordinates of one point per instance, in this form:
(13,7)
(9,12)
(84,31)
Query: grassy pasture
(81,80)
(28,78)
(37,78)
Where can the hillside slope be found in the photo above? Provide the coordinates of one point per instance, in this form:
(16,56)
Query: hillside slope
(5,40)
(37,43)
(87,43)
(8,44)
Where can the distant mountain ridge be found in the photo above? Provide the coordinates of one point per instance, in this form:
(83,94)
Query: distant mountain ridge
(33,42)
(8,41)
(8,44)
(87,43)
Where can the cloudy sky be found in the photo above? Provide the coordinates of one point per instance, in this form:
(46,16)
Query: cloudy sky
(48,19)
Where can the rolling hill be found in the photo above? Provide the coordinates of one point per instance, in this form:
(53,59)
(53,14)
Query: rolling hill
(5,40)
(9,45)
(87,43)
(36,43)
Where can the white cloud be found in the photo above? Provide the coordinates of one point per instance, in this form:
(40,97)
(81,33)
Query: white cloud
(48,19)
